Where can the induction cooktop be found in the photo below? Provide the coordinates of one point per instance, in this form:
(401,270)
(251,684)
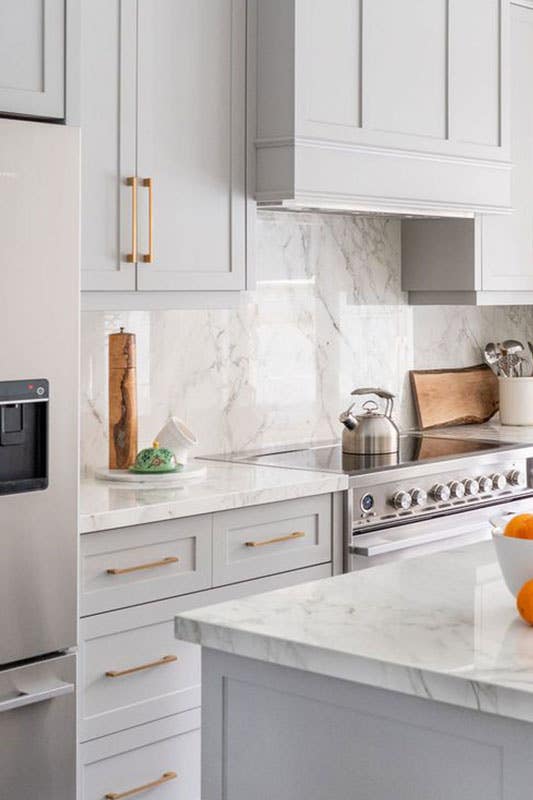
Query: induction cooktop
(328,456)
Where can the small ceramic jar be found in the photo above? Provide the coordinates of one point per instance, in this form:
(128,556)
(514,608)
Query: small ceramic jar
(155,460)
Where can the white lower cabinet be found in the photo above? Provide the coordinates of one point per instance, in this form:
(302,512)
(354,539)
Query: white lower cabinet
(140,688)
(265,540)
(129,566)
(160,760)
(133,669)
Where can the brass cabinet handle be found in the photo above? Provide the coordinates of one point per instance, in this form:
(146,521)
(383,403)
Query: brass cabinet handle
(119,673)
(165,778)
(149,256)
(295,535)
(132,257)
(151,565)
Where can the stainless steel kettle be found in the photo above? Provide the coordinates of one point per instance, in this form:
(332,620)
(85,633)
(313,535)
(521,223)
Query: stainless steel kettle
(372,432)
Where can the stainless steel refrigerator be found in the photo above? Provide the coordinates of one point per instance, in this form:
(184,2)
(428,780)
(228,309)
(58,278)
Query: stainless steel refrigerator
(39,322)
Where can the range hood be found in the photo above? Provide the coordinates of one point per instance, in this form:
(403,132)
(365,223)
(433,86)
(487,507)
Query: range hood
(362,110)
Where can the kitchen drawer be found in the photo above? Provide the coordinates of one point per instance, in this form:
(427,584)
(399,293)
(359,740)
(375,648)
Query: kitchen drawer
(142,756)
(264,540)
(152,675)
(129,566)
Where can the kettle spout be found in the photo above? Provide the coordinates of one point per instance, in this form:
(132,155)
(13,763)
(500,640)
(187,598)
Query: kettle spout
(348,420)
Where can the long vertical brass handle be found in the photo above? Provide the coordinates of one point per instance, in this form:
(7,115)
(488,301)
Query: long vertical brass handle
(131,258)
(165,778)
(149,256)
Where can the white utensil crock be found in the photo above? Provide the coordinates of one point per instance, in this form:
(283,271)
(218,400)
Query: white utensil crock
(177,437)
(516,401)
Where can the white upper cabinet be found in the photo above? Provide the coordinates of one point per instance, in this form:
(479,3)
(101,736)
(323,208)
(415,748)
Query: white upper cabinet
(487,260)
(163,117)
(107,115)
(32,58)
(191,143)
(383,105)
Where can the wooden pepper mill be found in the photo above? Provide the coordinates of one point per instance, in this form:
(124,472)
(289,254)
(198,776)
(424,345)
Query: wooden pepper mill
(122,400)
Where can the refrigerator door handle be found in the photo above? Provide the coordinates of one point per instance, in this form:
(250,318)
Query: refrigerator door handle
(30,698)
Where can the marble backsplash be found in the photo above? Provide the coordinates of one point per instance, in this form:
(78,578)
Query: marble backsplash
(327,315)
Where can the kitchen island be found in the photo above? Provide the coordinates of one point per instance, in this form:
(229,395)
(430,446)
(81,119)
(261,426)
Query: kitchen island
(413,681)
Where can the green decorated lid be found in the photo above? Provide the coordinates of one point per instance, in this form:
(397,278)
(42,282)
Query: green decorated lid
(156,459)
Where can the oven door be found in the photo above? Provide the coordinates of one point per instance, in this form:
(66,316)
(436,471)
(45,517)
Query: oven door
(422,537)
(38,730)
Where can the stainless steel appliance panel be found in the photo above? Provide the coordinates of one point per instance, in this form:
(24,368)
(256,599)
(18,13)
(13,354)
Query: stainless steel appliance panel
(38,730)
(39,321)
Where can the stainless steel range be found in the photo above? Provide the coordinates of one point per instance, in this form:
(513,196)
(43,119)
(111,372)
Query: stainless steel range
(430,478)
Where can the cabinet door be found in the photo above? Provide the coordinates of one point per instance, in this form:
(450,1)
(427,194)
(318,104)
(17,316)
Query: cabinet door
(191,143)
(424,75)
(107,118)
(507,242)
(32,55)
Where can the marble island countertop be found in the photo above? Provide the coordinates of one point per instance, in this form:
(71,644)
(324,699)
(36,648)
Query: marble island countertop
(441,626)
(105,505)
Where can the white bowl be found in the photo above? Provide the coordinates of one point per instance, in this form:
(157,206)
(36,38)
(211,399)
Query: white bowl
(515,557)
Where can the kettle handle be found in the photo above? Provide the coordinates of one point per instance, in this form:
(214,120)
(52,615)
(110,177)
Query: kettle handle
(383,393)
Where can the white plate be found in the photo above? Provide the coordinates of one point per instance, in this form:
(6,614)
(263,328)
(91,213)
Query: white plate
(135,479)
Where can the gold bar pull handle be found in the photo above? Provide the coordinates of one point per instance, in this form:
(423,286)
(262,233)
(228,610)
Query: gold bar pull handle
(119,673)
(288,538)
(131,258)
(149,256)
(165,778)
(150,565)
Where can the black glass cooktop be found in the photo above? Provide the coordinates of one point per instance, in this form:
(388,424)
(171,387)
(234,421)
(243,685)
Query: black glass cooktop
(329,457)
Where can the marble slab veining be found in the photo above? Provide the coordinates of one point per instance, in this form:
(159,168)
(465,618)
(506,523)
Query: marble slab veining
(106,505)
(278,368)
(441,626)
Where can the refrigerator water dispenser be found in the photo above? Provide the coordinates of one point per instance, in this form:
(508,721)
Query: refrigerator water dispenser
(23,435)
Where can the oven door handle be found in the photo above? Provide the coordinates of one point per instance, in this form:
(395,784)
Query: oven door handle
(21,699)
(392,546)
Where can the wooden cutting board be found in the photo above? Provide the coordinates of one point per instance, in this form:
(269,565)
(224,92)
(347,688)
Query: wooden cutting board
(454,396)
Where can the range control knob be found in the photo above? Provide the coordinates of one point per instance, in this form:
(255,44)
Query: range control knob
(440,493)
(484,483)
(471,487)
(418,497)
(457,490)
(499,481)
(516,477)
(401,500)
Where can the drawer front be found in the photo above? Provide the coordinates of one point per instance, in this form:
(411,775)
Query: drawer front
(133,670)
(264,540)
(160,760)
(38,730)
(136,565)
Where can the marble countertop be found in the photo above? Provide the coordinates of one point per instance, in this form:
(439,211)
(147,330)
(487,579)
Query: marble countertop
(441,626)
(493,431)
(105,505)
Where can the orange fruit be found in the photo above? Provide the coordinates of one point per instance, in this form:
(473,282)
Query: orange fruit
(521,527)
(524,602)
